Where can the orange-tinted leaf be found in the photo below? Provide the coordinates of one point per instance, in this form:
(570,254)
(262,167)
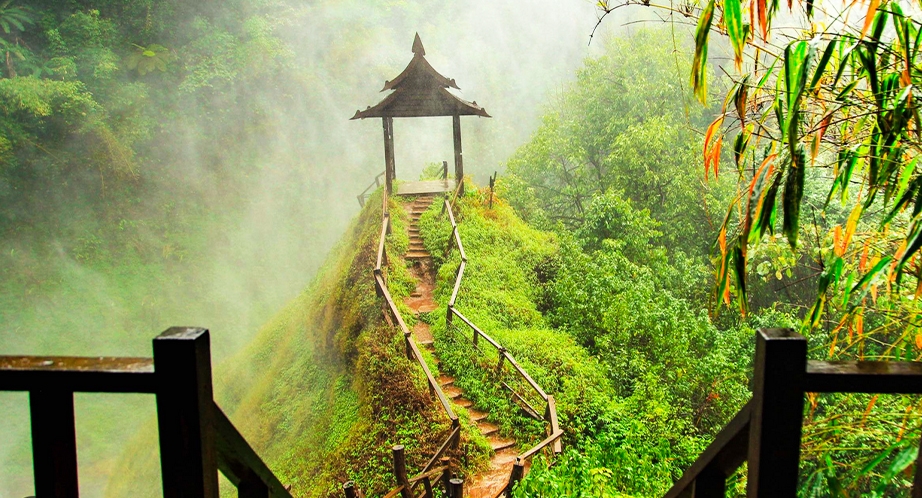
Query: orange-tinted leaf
(867,411)
(708,136)
(869,18)
(919,341)
(837,241)
(762,9)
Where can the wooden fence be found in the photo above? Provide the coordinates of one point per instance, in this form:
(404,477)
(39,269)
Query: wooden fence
(550,411)
(406,486)
(766,432)
(196,438)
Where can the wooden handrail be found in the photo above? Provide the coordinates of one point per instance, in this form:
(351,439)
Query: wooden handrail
(380,259)
(540,446)
(239,463)
(767,431)
(551,412)
(374,184)
(196,438)
(721,458)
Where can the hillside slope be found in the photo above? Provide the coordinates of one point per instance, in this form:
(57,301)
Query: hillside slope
(325,389)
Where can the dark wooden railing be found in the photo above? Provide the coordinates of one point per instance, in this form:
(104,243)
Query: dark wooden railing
(369,189)
(392,314)
(550,412)
(766,432)
(196,438)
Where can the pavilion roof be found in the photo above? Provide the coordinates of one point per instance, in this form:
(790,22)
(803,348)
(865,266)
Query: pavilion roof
(421,91)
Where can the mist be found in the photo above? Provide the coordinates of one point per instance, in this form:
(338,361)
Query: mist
(221,235)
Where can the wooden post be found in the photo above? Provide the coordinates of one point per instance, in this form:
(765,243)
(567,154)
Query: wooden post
(444,170)
(427,485)
(406,340)
(400,471)
(349,489)
(550,415)
(518,470)
(476,338)
(54,443)
(389,167)
(502,356)
(446,475)
(492,184)
(457,488)
(777,413)
(185,405)
(456,440)
(459,159)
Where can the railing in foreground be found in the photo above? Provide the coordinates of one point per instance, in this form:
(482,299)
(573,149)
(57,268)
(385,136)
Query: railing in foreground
(550,411)
(406,486)
(196,438)
(767,431)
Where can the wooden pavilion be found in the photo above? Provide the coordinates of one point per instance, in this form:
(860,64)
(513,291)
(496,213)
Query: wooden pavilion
(420,91)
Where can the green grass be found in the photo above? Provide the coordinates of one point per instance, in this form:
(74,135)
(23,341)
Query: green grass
(502,293)
(325,390)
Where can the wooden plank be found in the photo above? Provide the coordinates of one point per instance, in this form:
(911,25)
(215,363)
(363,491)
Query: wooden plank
(185,411)
(552,420)
(451,215)
(895,377)
(726,453)
(441,451)
(54,443)
(534,385)
(77,374)
(460,246)
(477,330)
(385,221)
(528,408)
(457,287)
(540,446)
(238,461)
(777,413)
(432,382)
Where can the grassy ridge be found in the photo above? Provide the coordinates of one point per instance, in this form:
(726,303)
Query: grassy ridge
(325,389)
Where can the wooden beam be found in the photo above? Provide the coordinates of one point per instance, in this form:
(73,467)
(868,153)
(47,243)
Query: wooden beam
(389,170)
(459,159)
(77,374)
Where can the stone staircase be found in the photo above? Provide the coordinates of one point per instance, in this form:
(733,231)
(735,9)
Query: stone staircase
(488,483)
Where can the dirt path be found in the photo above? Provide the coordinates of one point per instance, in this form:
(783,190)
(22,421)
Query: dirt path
(488,483)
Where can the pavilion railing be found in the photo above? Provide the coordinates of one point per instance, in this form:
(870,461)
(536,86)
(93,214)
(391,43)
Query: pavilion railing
(766,432)
(362,197)
(196,438)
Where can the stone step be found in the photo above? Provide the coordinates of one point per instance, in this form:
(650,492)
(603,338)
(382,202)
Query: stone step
(417,255)
(453,392)
(486,428)
(477,415)
(500,444)
(427,344)
(446,380)
(464,402)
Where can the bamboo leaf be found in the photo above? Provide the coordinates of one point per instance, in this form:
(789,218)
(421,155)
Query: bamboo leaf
(733,20)
(821,65)
(699,65)
(869,17)
(863,285)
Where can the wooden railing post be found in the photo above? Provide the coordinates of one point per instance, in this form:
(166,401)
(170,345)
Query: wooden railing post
(400,471)
(446,475)
(777,413)
(711,483)
(444,170)
(182,362)
(518,470)
(54,443)
(499,364)
(457,487)
(349,489)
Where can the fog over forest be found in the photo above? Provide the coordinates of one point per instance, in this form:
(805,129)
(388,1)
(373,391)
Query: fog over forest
(252,226)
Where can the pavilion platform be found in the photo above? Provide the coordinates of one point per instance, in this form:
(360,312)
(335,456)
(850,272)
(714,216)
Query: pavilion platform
(426,187)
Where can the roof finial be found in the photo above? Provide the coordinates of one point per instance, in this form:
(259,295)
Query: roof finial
(418,46)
